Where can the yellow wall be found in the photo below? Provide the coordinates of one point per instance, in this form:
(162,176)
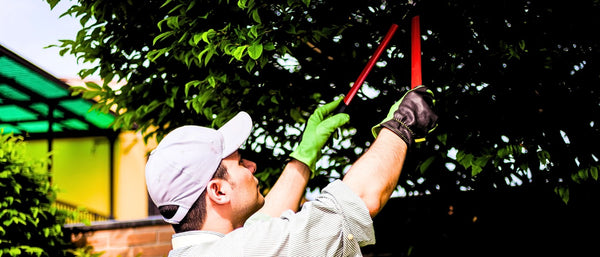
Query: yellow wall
(131,200)
(81,172)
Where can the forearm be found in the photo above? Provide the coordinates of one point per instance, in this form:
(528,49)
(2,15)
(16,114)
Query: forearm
(374,176)
(288,191)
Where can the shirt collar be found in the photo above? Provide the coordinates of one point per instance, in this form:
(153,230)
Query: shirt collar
(190,238)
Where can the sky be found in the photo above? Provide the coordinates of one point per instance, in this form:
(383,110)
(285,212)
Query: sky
(28,26)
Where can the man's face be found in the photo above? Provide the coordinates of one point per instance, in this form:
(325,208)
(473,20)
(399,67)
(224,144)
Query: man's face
(246,198)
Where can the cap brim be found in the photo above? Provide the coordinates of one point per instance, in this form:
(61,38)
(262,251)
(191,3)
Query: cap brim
(235,132)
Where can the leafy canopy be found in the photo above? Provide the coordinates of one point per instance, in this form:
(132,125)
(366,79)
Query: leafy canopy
(514,80)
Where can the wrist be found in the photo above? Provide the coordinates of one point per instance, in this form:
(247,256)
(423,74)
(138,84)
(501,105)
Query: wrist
(305,157)
(400,130)
(300,166)
(390,136)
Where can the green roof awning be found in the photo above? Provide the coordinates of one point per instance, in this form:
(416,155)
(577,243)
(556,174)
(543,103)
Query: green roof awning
(35,104)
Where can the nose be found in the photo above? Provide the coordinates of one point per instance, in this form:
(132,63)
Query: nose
(250,165)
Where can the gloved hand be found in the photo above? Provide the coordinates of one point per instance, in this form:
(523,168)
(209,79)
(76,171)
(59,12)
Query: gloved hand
(318,130)
(412,117)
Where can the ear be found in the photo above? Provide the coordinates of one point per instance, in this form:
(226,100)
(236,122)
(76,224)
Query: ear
(218,191)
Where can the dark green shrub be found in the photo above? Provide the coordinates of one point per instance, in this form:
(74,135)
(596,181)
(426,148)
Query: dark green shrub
(29,223)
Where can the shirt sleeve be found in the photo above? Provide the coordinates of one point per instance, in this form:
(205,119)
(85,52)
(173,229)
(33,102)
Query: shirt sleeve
(336,223)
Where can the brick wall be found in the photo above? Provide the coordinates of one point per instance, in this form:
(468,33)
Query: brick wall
(144,238)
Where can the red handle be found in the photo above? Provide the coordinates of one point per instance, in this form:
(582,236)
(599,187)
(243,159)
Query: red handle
(363,75)
(415,57)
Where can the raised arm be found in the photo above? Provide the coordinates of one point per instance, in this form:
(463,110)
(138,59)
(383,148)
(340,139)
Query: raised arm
(374,176)
(290,187)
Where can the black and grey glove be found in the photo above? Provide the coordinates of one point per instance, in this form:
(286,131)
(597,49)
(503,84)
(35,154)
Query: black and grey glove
(412,117)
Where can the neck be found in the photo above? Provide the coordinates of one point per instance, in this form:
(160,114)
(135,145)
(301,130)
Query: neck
(218,220)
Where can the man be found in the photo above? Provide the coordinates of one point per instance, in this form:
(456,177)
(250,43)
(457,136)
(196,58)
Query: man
(207,190)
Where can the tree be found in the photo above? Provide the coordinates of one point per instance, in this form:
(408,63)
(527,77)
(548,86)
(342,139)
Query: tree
(514,80)
(30,224)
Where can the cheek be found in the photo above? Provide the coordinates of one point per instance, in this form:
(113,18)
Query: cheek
(251,180)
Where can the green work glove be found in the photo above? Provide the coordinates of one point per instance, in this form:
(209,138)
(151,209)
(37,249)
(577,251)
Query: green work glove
(412,117)
(318,129)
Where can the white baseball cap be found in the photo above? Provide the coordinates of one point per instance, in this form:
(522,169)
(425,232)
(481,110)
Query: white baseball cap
(186,159)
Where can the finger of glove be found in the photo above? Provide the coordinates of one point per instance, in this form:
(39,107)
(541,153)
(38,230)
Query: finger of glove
(426,93)
(323,111)
(332,123)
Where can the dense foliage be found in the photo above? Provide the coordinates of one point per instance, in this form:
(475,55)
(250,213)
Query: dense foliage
(515,81)
(29,223)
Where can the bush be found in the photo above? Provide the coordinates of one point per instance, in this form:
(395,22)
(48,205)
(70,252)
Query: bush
(29,223)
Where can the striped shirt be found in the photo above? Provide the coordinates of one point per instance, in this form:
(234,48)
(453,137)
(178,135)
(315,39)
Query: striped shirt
(336,223)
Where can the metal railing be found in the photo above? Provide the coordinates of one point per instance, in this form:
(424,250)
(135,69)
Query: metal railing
(81,214)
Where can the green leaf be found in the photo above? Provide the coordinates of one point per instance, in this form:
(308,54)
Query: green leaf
(52,3)
(196,38)
(544,157)
(563,193)
(207,35)
(90,94)
(242,4)
(250,65)
(170,102)
(481,161)
(475,170)
(201,54)
(466,160)
(256,16)
(443,138)
(84,20)
(14,251)
(92,85)
(269,46)
(175,9)
(209,54)
(162,36)
(425,165)
(86,72)
(211,81)
(253,32)
(63,51)
(224,102)
(261,100)
(239,52)
(183,37)
(154,54)
(193,83)
(594,172)
(196,105)
(190,6)
(165,3)
(159,24)
(255,50)
(297,116)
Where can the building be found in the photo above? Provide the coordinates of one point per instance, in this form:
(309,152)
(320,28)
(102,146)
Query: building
(94,166)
